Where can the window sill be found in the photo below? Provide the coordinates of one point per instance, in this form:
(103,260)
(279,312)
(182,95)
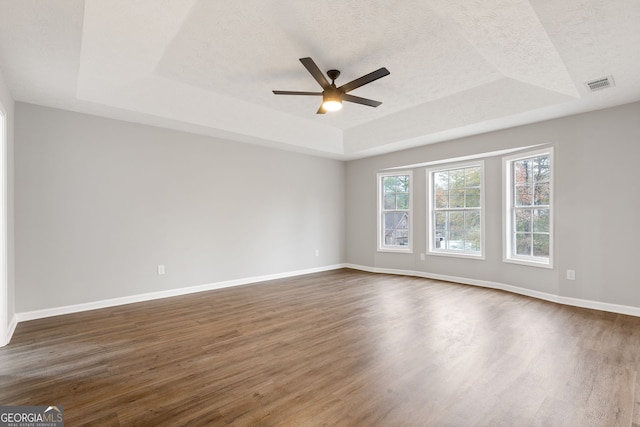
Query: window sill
(397,251)
(480,257)
(530,263)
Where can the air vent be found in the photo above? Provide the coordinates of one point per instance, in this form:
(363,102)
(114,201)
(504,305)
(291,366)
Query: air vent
(602,83)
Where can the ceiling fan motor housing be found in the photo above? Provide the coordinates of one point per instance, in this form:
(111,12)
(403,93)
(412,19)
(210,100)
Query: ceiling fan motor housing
(333,74)
(331,94)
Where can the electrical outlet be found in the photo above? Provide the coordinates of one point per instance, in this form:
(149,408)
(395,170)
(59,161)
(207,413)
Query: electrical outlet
(160,269)
(571,275)
(422,257)
(317,252)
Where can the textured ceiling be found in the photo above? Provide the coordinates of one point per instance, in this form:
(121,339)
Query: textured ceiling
(458,67)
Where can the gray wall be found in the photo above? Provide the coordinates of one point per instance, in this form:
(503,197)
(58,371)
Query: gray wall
(8,106)
(100,203)
(596,207)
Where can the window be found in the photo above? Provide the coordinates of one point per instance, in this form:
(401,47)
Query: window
(455,210)
(394,212)
(528,201)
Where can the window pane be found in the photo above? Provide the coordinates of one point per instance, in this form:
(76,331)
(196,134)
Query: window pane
(472,231)
(456,221)
(403,183)
(456,198)
(397,238)
(396,231)
(440,234)
(441,180)
(542,194)
(541,220)
(389,201)
(396,220)
(541,245)
(441,221)
(523,195)
(523,244)
(541,169)
(523,220)
(389,184)
(403,201)
(472,176)
(388,238)
(442,199)
(456,240)
(456,178)
(472,220)
(472,241)
(473,198)
(522,172)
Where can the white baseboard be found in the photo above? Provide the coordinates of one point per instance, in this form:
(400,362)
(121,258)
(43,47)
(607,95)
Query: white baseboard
(576,302)
(57,311)
(8,333)
(12,328)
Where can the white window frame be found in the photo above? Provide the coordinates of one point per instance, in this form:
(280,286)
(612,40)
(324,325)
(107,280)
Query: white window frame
(507,208)
(380,224)
(431,249)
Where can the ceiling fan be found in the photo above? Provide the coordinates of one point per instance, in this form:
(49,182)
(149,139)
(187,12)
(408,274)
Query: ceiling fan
(333,96)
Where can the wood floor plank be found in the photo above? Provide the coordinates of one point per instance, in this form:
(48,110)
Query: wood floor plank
(339,348)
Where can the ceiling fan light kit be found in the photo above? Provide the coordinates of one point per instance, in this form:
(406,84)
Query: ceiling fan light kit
(333,96)
(332,104)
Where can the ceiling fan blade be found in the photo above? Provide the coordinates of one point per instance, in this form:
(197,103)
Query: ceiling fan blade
(375,75)
(358,100)
(321,110)
(290,92)
(315,72)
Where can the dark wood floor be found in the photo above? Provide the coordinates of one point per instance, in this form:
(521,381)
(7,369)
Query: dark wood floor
(341,348)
